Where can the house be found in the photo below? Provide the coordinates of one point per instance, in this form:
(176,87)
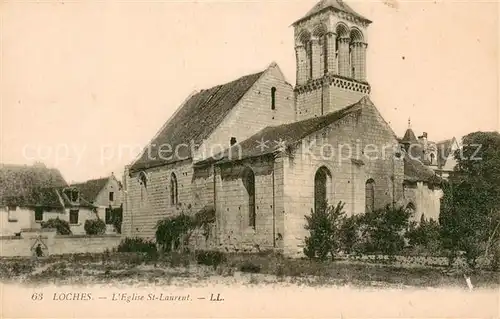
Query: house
(264,153)
(105,194)
(422,191)
(33,194)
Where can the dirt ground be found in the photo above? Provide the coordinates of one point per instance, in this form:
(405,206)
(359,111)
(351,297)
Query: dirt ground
(130,269)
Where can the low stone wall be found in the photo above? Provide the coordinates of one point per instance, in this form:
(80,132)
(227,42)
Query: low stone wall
(52,244)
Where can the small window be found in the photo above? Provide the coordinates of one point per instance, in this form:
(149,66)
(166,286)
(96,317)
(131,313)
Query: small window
(108,217)
(111,196)
(38,214)
(12,208)
(174,197)
(73,217)
(273,98)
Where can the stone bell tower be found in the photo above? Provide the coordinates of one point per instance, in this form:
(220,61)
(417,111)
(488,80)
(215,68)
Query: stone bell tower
(330,46)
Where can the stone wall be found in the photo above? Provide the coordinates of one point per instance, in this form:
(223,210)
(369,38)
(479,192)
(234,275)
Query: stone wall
(233,209)
(52,244)
(147,204)
(427,201)
(348,176)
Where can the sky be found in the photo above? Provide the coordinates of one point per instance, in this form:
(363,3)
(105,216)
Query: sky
(85,84)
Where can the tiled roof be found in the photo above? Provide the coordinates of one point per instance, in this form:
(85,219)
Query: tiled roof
(194,121)
(337,5)
(91,188)
(287,134)
(23,185)
(409,137)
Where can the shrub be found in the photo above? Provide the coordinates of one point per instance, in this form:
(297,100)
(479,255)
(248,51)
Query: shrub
(62,227)
(210,258)
(94,226)
(137,244)
(348,235)
(425,236)
(383,230)
(250,267)
(174,233)
(324,228)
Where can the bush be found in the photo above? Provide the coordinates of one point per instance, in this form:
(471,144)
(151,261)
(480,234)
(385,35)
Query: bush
(324,228)
(383,230)
(348,236)
(210,258)
(137,244)
(425,237)
(250,267)
(95,227)
(62,227)
(173,232)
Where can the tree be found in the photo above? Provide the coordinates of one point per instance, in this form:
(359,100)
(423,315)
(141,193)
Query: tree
(470,207)
(324,228)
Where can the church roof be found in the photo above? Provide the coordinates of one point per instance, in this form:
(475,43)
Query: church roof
(277,138)
(22,185)
(194,122)
(416,171)
(337,5)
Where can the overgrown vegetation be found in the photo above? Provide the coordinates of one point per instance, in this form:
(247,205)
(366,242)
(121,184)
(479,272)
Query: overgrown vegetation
(378,232)
(95,226)
(173,233)
(61,226)
(470,210)
(324,228)
(136,244)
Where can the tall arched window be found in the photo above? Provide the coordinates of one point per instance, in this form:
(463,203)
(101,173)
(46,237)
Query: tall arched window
(325,54)
(309,59)
(273,98)
(174,198)
(322,187)
(249,183)
(369,195)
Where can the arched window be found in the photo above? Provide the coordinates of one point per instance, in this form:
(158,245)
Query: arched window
(325,54)
(369,195)
(174,198)
(309,59)
(273,98)
(322,187)
(143,179)
(249,183)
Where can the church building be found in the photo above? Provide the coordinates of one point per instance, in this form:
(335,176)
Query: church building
(263,153)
